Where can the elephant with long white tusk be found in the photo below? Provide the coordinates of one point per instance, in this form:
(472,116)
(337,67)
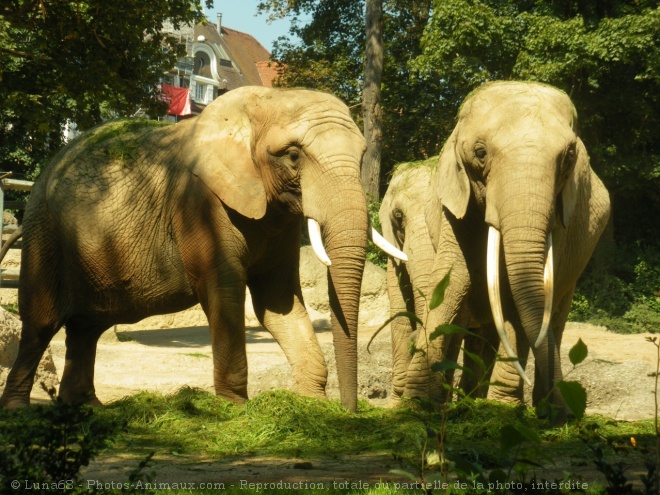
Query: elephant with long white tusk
(513,211)
(137,218)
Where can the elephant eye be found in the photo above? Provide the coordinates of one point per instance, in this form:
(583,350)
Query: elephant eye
(480,153)
(570,158)
(294,154)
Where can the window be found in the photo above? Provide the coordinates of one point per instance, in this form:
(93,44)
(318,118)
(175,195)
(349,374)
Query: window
(199,92)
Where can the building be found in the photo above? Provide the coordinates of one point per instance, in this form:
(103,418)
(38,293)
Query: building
(218,60)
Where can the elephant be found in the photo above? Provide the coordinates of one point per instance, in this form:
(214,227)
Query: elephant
(514,181)
(403,223)
(136,218)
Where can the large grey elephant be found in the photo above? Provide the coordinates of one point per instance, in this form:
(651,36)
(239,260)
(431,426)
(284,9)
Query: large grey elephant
(135,219)
(512,180)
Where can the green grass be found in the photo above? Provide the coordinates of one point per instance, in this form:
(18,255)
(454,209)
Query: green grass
(198,355)
(284,424)
(277,423)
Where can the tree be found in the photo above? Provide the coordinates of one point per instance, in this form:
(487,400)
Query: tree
(330,56)
(78,61)
(371,107)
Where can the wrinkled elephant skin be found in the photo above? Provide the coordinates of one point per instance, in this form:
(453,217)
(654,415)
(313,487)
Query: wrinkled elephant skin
(136,218)
(513,169)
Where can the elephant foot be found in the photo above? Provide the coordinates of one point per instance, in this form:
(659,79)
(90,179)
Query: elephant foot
(557,415)
(232,397)
(88,398)
(309,386)
(11,403)
(316,394)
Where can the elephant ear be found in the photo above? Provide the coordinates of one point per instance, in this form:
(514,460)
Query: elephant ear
(433,215)
(384,214)
(452,184)
(570,191)
(220,154)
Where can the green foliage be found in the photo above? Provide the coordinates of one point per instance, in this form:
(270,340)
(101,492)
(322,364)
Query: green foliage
(374,254)
(481,436)
(330,56)
(45,446)
(626,298)
(439,292)
(575,397)
(578,353)
(80,62)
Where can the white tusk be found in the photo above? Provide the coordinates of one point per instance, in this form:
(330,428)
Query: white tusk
(385,245)
(493,278)
(548,286)
(317,243)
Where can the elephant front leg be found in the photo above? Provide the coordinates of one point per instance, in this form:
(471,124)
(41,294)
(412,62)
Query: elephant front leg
(507,385)
(422,381)
(225,309)
(280,309)
(401,298)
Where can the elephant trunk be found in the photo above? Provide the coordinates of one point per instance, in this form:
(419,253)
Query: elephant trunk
(346,242)
(340,208)
(527,242)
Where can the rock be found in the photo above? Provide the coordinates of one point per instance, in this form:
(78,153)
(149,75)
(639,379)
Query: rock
(374,304)
(8,218)
(10,331)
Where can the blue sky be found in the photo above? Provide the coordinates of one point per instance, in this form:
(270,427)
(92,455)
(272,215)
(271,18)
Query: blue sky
(240,15)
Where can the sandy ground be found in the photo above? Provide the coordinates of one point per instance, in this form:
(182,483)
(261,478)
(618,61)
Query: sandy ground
(617,373)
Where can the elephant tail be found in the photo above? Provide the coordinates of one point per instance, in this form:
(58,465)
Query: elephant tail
(10,241)
(378,331)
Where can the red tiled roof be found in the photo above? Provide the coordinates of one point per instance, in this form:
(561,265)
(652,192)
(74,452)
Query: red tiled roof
(269,71)
(244,50)
(247,52)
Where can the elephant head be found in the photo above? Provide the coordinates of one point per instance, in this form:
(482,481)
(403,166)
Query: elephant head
(515,153)
(402,216)
(294,152)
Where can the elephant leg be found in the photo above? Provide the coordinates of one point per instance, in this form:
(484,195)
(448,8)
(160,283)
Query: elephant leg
(35,338)
(280,309)
(555,374)
(224,305)
(401,298)
(506,383)
(78,375)
(476,376)
(421,382)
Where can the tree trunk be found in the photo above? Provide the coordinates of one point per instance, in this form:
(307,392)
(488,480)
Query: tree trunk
(371,108)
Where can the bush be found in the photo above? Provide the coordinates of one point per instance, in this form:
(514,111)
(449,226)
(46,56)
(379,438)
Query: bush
(45,446)
(627,297)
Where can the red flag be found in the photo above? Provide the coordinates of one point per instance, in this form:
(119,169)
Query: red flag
(177,98)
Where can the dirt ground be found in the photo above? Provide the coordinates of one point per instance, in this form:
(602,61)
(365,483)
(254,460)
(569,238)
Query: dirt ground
(616,375)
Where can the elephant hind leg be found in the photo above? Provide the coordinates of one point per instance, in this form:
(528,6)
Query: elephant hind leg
(34,342)
(78,376)
(476,375)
